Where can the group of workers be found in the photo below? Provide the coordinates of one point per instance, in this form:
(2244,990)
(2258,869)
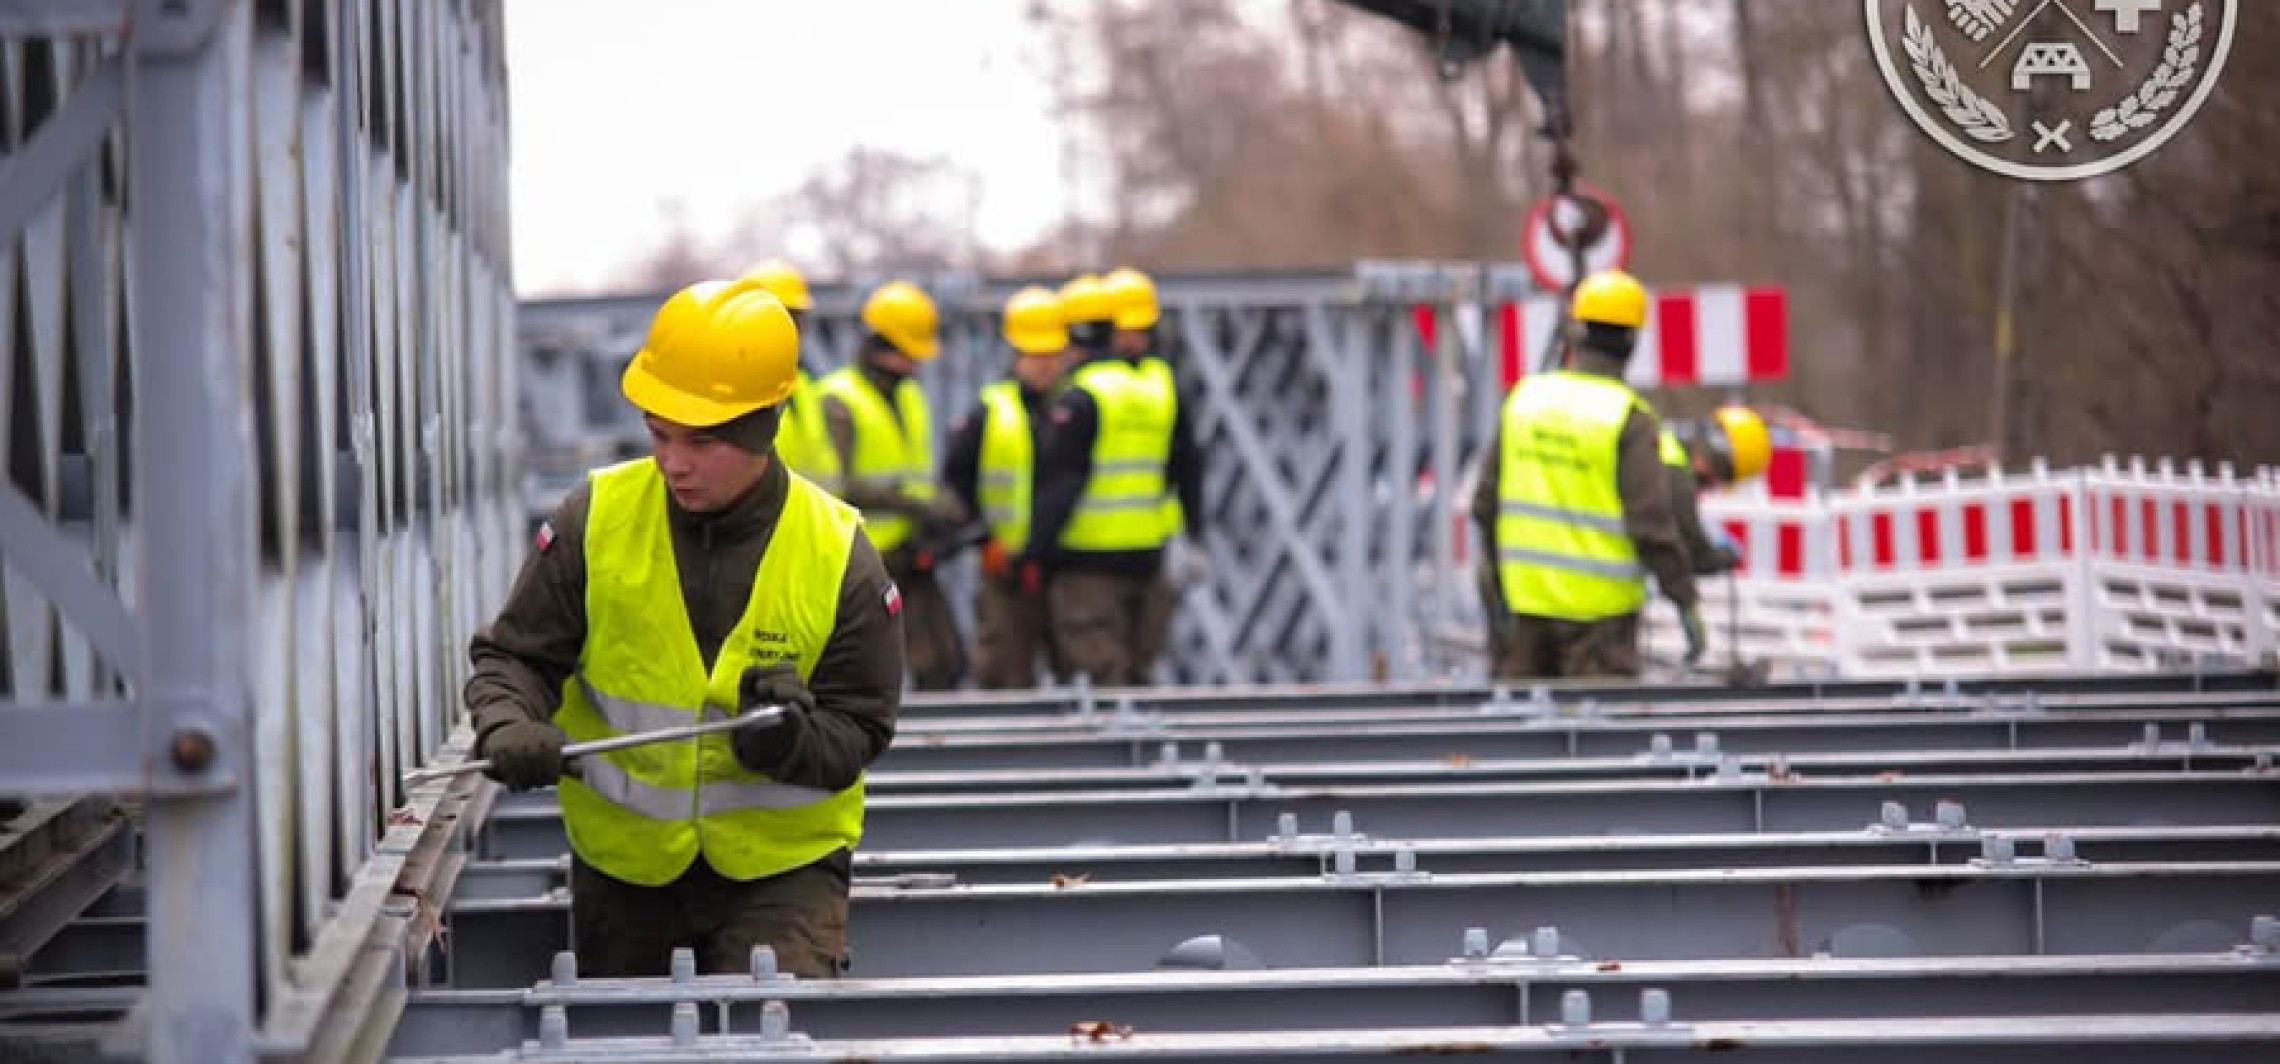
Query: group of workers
(774,560)
(1585,493)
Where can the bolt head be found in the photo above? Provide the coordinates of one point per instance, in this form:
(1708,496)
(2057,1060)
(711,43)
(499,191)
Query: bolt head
(192,749)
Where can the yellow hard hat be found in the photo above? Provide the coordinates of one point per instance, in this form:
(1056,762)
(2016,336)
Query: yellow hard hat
(1131,298)
(1611,297)
(716,351)
(1033,322)
(783,281)
(1084,300)
(1746,439)
(906,316)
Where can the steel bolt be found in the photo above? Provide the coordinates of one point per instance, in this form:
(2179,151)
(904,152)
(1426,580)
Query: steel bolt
(2264,931)
(1342,824)
(1895,816)
(1575,1008)
(1705,744)
(1213,754)
(684,965)
(1997,849)
(1476,942)
(685,1024)
(1952,691)
(1286,826)
(1254,777)
(2197,735)
(1654,1005)
(1343,858)
(2033,702)
(1951,815)
(1659,746)
(2264,762)
(1404,859)
(192,749)
(775,1021)
(1729,769)
(565,968)
(2058,847)
(1540,697)
(1547,943)
(764,964)
(1168,754)
(553,1027)
(2152,736)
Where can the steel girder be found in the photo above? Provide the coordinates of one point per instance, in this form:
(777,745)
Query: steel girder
(1462,992)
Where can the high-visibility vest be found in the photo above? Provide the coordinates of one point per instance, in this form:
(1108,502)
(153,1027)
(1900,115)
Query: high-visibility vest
(894,447)
(1160,372)
(1674,452)
(803,442)
(643,815)
(1008,465)
(1561,548)
(1122,507)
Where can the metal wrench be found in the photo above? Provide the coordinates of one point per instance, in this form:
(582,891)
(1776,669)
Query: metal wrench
(751,718)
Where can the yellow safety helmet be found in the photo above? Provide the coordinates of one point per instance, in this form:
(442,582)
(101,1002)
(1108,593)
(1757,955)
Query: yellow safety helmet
(1033,323)
(716,351)
(1084,300)
(783,281)
(1131,298)
(906,316)
(1610,297)
(1746,440)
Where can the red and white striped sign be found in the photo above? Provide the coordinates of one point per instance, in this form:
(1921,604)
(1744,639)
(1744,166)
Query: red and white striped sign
(1714,334)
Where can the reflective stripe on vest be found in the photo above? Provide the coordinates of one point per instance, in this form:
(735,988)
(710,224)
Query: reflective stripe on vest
(1008,465)
(894,448)
(644,815)
(1122,507)
(804,441)
(1561,549)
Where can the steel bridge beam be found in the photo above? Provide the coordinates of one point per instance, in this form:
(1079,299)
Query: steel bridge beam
(1742,803)
(1485,737)
(1462,992)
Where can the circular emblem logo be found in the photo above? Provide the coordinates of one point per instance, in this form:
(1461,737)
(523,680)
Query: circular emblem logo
(2051,90)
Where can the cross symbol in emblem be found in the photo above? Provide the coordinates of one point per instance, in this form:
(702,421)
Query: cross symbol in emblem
(2046,136)
(2127,12)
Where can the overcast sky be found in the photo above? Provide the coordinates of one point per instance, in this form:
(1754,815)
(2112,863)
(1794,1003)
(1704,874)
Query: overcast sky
(621,106)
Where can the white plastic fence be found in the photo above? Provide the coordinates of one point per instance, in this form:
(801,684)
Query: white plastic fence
(2123,567)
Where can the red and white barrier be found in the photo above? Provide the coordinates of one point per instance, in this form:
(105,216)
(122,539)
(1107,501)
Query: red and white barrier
(2122,567)
(1713,334)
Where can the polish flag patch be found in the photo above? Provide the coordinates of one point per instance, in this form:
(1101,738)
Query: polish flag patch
(894,599)
(545,537)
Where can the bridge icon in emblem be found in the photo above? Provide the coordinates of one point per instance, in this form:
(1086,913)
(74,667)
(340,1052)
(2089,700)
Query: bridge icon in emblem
(2058,58)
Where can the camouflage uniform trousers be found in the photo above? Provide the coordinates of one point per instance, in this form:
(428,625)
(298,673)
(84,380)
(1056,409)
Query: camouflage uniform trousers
(1533,648)
(1110,627)
(932,647)
(1010,634)
(621,930)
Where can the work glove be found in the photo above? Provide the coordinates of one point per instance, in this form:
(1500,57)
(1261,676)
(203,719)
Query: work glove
(1032,577)
(943,513)
(996,563)
(763,747)
(524,754)
(1697,635)
(1724,558)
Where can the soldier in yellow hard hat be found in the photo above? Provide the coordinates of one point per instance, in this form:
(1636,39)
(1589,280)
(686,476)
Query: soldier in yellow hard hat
(1732,445)
(883,429)
(1575,499)
(803,442)
(991,465)
(702,581)
(1119,450)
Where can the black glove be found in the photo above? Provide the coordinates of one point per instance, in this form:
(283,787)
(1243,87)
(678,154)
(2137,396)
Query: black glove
(763,747)
(1723,559)
(523,754)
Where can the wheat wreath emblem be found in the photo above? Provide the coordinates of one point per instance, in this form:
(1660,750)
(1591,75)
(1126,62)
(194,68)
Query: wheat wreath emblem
(1974,114)
(2178,63)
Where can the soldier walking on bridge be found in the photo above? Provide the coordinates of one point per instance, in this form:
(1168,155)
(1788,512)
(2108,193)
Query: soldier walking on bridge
(699,583)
